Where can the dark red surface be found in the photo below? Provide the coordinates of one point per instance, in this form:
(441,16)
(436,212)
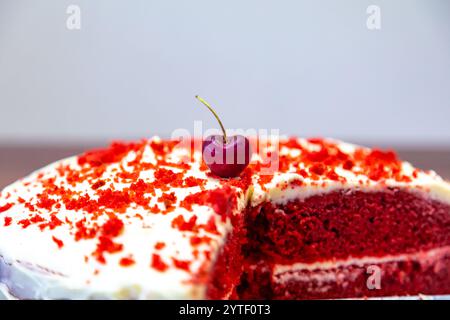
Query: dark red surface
(229,264)
(337,226)
(402,278)
(348,223)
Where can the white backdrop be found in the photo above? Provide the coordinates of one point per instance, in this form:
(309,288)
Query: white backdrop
(306,67)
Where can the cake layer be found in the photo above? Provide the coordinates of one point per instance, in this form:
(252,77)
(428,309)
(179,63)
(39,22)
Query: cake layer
(411,274)
(348,223)
(226,274)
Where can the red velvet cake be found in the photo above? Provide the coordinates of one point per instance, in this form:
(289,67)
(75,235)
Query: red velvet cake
(307,219)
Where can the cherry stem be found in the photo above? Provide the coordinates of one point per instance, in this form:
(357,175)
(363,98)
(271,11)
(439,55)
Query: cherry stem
(215,115)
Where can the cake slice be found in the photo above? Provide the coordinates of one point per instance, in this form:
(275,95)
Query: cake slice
(147,220)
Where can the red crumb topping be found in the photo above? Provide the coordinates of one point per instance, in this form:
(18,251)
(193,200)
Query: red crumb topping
(158,263)
(111,229)
(58,242)
(127,262)
(8,221)
(159,245)
(5,207)
(98,184)
(105,202)
(84,232)
(162,148)
(45,202)
(196,240)
(24,223)
(169,200)
(52,224)
(166,177)
(114,153)
(211,226)
(181,264)
(183,225)
(223,201)
(106,245)
(322,162)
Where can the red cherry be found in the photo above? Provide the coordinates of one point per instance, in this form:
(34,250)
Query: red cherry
(226,159)
(225,156)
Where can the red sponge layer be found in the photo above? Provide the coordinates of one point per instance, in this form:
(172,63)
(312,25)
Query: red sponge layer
(420,274)
(413,276)
(347,223)
(404,234)
(226,273)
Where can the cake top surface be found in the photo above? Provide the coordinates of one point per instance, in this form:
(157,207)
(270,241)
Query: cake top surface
(151,210)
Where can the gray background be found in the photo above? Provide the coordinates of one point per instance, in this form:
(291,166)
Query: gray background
(307,67)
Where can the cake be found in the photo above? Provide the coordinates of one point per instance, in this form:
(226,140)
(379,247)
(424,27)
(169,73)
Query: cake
(148,220)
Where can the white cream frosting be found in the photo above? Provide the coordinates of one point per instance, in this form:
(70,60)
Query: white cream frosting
(32,266)
(279,191)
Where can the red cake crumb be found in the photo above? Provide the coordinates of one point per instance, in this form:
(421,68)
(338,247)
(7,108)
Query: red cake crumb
(221,200)
(165,176)
(181,264)
(6,207)
(184,225)
(30,207)
(117,200)
(8,221)
(160,245)
(98,184)
(84,232)
(211,226)
(196,240)
(45,202)
(58,242)
(193,182)
(114,153)
(112,228)
(169,200)
(24,223)
(127,261)
(158,263)
(52,224)
(109,230)
(162,148)
(106,245)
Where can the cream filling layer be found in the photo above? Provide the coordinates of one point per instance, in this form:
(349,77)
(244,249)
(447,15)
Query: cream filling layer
(429,256)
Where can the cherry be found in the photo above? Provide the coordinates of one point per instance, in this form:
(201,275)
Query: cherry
(225,156)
